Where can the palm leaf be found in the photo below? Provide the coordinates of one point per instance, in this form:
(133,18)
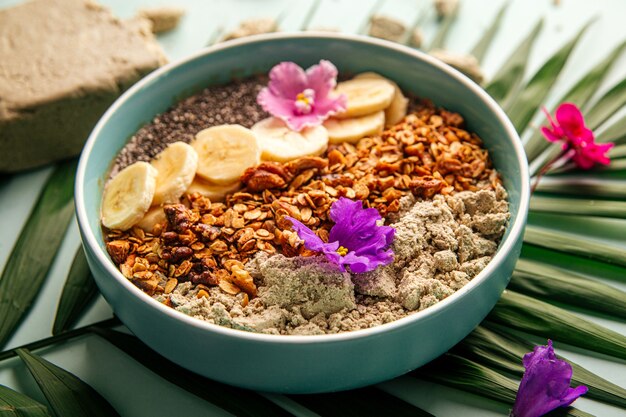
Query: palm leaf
(583,185)
(618,151)
(439,41)
(482,46)
(62,337)
(229,398)
(529,315)
(601,208)
(584,266)
(523,106)
(501,349)
(68,395)
(607,106)
(373,10)
(78,292)
(579,94)
(368,401)
(32,255)
(14,404)
(615,133)
(215,36)
(315,5)
(464,374)
(415,24)
(509,77)
(594,237)
(555,285)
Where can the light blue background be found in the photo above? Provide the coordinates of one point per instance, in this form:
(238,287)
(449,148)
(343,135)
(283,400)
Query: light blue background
(137,392)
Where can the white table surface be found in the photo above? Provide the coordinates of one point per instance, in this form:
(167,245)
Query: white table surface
(135,391)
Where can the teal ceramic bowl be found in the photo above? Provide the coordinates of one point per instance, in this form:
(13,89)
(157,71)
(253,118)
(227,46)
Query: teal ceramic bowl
(302,364)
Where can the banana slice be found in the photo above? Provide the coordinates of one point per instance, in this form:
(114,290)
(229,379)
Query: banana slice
(176,167)
(128,196)
(399,105)
(365,96)
(279,143)
(355,128)
(224,153)
(154,216)
(215,192)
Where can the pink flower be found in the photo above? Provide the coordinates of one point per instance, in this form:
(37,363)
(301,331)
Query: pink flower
(302,99)
(578,140)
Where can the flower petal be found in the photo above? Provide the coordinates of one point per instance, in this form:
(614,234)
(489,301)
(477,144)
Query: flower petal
(287,80)
(570,119)
(330,106)
(573,394)
(275,105)
(322,78)
(298,122)
(545,384)
(550,135)
(365,263)
(311,240)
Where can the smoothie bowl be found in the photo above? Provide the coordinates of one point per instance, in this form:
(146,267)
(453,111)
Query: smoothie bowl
(328,211)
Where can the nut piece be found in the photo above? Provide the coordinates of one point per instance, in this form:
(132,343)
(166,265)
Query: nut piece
(417,37)
(243,280)
(163,18)
(118,249)
(252,27)
(445,7)
(228,287)
(170,285)
(386,28)
(467,64)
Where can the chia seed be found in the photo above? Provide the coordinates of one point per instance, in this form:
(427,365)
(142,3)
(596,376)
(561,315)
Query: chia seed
(233,103)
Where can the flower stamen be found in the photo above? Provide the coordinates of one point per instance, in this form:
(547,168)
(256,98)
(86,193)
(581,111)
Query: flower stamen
(342,250)
(305,100)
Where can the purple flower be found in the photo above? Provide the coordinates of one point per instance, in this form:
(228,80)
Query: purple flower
(356,239)
(302,99)
(545,384)
(578,140)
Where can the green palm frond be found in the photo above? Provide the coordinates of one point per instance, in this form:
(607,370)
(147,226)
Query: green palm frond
(574,241)
(78,293)
(508,79)
(36,248)
(521,107)
(68,395)
(536,317)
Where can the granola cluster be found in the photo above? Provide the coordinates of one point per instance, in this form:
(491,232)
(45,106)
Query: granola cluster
(208,243)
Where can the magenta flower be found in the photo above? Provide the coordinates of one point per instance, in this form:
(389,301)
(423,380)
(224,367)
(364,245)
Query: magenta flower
(356,240)
(578,140)
(545,384)
(302,99)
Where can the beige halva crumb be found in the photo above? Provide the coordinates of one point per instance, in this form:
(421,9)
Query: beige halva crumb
(439,246)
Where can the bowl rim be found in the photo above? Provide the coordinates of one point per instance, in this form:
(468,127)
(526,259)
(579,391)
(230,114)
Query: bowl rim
(506,246)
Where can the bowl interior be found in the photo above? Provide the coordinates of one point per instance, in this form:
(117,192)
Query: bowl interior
(414,72)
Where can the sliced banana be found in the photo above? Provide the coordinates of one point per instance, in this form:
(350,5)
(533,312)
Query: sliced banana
(279,143)
(128,196)
(224,153)
(365,96)
(399,105)
(215,192)
(176,167)
(355,128)
(153,217)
